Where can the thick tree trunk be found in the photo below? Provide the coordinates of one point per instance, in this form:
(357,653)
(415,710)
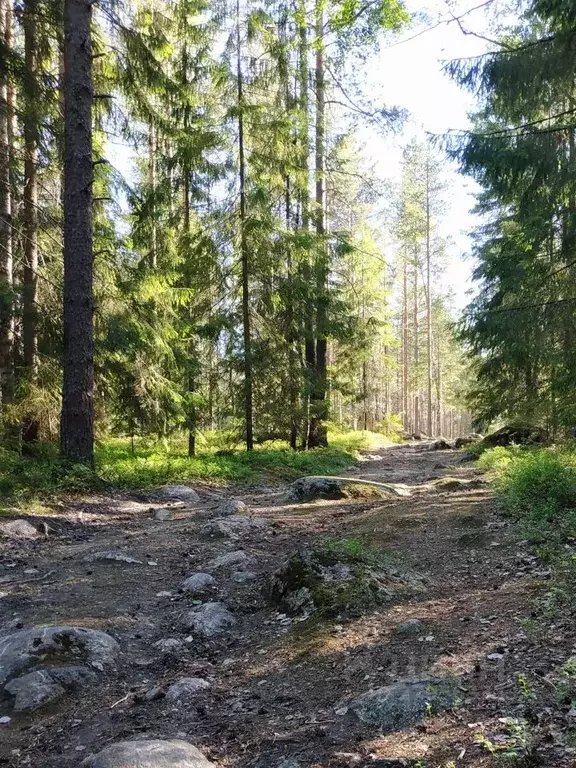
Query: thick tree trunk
(244,255)
(318,435)
(77,421)
(152,149)
(30,213)
(416,352)
(6,258)
(405,351)
(191,379)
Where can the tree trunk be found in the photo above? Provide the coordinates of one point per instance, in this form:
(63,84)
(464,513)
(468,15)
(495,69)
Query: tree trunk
(244,255)
(416,352)
(318,435)
(30,211)
(191,381)
(430,362)
(77,421)
(6,239)
(405,364)
(152,149)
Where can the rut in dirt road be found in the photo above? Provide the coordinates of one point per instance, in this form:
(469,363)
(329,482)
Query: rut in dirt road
(326,632)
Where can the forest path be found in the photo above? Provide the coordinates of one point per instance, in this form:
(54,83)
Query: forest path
(279,685)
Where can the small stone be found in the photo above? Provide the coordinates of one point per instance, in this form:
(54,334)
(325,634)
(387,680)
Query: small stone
(495,656)
(162,514)
(228,507)
(177,493)
(155,693)
(209,619)
(31,571)
(199,582)
(164,593)
(238,557)
(410,627)
(169,645)
(4,720)
(186,687)
(153,753)
(242,577)
(233,527)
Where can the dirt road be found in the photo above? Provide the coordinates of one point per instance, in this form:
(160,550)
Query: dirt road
(279,685)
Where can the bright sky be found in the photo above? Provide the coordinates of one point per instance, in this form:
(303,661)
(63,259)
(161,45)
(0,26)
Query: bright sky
(409,74)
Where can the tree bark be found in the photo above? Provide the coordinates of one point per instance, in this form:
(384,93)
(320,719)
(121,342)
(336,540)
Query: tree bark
(77,421)
(6,239)
(416,351)
(30,426)
(318,435)
(152,149)
(244,255)
(429,428)
(405,364)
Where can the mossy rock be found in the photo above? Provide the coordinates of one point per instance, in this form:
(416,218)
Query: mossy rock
(333,488)
(517,434)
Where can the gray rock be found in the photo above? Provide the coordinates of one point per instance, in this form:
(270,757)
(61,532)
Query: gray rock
(162,514)
(410,627)
(441,444)
(289,762)
(243,577)
(233,527)
(177,493)
(169,645)
(186,688)
(228,507)
(22,651)
(238,558)
(73,678)
(319,487)
(199,582)
(33,690)
(112,555)
(336,572)
(209,619)
(153,753)
(395,707)
(19,529)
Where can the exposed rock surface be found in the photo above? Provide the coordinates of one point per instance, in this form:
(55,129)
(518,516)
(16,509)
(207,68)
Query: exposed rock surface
(209,620)
(113,555)
(19,529)
(519,434)
(186,688)
(169,645)
(318,487)
(236,558)
(233,527)
(229,507)
(411,627)
(153,753)
(26,672)
(395,707)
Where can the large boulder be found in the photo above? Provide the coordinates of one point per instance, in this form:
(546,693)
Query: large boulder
(319,487)
(40,665)
(153,753)
(395,707)
(516,434)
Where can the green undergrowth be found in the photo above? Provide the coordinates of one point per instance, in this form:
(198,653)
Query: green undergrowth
(122,466)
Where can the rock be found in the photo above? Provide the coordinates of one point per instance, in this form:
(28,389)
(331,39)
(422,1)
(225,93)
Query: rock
(19,529)
(242,577)
(33,668)
(114,556)
(238,557)
(162,514)
(177,493)
(395,707)
(234,527)
(460,442)
(457,483)
(209,619)
(336,572)
(516,434)
(33,690)
(186,687)
(288,762)
(5,720)
(318,487)
(153,753)
(441,444)
(228,507)
(199,582)
(410,627)
(169,645)
(398,762)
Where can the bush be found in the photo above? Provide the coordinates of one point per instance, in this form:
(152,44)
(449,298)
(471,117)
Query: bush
(537,486)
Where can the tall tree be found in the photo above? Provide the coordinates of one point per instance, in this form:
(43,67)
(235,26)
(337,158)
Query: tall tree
(77,420)
(6,238)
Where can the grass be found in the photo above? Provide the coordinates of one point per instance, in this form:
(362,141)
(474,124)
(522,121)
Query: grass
(119,467)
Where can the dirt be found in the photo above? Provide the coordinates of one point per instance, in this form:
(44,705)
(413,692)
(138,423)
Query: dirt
(278,683)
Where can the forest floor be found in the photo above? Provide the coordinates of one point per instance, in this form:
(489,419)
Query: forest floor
(279,685)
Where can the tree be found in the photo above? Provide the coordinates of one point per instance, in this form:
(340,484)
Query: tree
(77,420)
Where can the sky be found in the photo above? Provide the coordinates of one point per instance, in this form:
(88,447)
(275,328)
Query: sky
(408,73)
